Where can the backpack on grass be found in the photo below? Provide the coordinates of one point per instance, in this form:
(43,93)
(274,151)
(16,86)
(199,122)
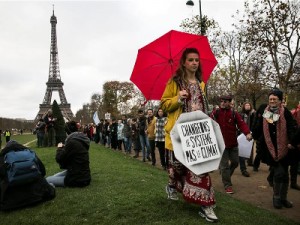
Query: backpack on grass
(21,167)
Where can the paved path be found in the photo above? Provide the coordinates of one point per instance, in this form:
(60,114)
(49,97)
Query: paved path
(256,190)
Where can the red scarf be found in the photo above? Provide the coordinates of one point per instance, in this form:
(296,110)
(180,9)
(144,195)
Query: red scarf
(282,140)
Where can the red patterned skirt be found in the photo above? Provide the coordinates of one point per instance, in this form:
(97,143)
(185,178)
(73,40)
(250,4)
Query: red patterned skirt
(196,189)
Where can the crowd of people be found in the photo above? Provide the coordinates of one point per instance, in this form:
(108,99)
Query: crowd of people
(274,128)
(139,135)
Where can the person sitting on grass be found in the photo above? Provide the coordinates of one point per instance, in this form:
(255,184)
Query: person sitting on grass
(73,156)
(19,185)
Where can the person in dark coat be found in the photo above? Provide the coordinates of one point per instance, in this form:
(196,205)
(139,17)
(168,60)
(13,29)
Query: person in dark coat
(50,131)
(294,155)
(73,156)
(21,195)
(114,134)
(274,131)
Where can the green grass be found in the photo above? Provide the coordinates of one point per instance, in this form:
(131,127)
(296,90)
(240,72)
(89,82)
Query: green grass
(22,139)
(127,191)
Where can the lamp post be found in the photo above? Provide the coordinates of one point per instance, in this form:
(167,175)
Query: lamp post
(202,22)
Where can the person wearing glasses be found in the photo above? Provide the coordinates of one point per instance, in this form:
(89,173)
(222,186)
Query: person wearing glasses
(230,121)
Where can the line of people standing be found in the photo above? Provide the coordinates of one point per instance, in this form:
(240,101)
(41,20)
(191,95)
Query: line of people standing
(142,134)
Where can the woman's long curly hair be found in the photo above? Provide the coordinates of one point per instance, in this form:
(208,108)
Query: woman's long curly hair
(180,74)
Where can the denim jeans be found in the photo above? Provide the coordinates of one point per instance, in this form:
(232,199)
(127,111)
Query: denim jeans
(145,143)
(242,164)
(128,144)
(40,137)
(58,179)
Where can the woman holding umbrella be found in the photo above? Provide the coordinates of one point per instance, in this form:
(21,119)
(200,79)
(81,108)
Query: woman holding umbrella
(182,94)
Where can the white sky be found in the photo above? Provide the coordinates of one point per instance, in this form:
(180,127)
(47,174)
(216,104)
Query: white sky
(97,42)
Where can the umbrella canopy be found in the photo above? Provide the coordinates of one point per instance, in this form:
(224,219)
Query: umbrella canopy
(158,61)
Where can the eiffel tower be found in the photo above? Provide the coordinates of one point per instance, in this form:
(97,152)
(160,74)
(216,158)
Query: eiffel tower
(54,82)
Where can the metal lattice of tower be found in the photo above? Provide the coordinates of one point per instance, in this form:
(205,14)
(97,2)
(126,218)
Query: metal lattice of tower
(54,81)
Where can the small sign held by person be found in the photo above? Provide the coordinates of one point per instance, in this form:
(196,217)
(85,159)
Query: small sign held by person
(107,116)
(198,141)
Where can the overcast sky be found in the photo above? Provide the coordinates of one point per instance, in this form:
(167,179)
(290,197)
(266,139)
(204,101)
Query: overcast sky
(97,42)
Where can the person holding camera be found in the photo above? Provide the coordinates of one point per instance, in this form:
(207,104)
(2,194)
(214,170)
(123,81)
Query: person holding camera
(73,157)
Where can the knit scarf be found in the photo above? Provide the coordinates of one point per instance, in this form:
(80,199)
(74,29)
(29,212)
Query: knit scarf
(281,135)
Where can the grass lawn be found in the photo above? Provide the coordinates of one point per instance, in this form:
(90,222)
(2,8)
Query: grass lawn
(127,191)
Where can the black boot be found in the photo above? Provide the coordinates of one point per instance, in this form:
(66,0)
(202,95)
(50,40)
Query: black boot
(277,202)
(283,196)
(287,204)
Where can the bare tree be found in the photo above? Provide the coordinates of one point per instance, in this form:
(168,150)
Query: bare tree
(274,27)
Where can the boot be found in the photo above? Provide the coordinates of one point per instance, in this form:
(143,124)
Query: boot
(283,196)
(277,202)
(276,197)
(287,204)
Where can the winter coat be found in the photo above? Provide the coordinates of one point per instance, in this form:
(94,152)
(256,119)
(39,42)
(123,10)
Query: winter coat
(142,125)
(74,157)
(13,197)
(127,130)
(230,122)
(151,128)
(258,135)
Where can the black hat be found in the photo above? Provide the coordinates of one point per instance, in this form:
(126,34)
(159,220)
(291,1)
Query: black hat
(277,92)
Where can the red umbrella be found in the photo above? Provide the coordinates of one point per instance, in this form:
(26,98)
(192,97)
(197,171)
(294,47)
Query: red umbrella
(158,61)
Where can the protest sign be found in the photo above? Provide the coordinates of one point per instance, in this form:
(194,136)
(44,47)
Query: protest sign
(208,164)
(245,146)
(198,141)
(107,116)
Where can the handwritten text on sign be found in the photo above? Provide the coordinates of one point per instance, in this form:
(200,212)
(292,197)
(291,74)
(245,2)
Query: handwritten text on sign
(198,141)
